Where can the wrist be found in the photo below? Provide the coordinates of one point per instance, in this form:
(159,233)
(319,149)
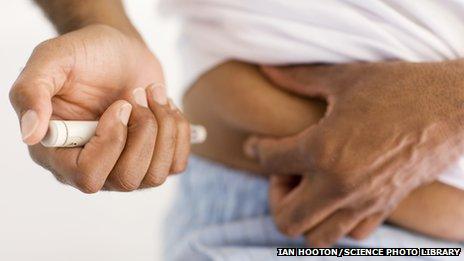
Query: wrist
(71,15)
(122,24)
(127,30)
(115,20)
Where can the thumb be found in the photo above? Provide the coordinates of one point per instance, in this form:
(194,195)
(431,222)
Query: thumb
(44,74)
(311,80)
(281,155)
(33,105)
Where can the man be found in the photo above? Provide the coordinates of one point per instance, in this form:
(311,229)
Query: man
(102,53)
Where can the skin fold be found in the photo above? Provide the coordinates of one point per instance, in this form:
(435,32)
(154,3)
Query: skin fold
(389,128)
(244,102)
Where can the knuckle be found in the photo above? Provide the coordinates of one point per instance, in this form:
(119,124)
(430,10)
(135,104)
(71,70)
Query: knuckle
(126,183)
(342,185)
(287,228)
(88,189)
(43,46)
(318,242)
(169,129)
(119,139)
(148,123)
(337,229)
(161,114)
(17,92)
(87,183)
(326,157)
(377,203)
(179,168)
(154,180)
(58,176)
(321,159)
(39,158)
(169,122)
(359,234)
(13,94)
(116,136)
(34,89)
(183,124)
(47,164)
(272,156)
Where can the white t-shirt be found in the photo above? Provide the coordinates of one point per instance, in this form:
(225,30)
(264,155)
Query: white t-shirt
(329,31)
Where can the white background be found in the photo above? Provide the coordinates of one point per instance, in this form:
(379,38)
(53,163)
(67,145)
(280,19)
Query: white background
(41,219)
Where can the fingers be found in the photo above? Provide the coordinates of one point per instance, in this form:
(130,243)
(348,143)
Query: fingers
(165,146)
(344,222)
(136,144)
(182,148)
(304,207)
(368,226)
(312,80)
(136,157)
(333,228)
(158,142)
(310,208)
(87,168)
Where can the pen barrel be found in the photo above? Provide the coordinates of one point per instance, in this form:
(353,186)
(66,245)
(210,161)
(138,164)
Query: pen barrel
(78,133)
(69,133)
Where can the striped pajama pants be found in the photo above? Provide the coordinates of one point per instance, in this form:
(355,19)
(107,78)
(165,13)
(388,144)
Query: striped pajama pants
(221,213)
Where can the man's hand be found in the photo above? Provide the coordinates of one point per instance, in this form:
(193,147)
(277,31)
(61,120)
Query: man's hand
(389,128)
(92,74)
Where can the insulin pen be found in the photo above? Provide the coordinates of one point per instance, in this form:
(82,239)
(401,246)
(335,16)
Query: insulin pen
(78,133)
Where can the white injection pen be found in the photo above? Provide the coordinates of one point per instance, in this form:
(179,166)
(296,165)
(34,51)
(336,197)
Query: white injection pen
(78,133)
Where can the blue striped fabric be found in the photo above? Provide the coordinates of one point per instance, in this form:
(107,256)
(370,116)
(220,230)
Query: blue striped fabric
(222,214)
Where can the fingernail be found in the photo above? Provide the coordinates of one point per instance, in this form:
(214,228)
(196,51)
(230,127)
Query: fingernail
(171,105)
(250,148)
(29,123)
(124,113)
(159,93)
(140,97)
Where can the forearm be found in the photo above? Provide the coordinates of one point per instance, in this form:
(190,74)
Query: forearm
(70,15)
(235,89)
(435,210)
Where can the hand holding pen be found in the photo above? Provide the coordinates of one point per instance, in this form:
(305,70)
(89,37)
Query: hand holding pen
(100,73)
